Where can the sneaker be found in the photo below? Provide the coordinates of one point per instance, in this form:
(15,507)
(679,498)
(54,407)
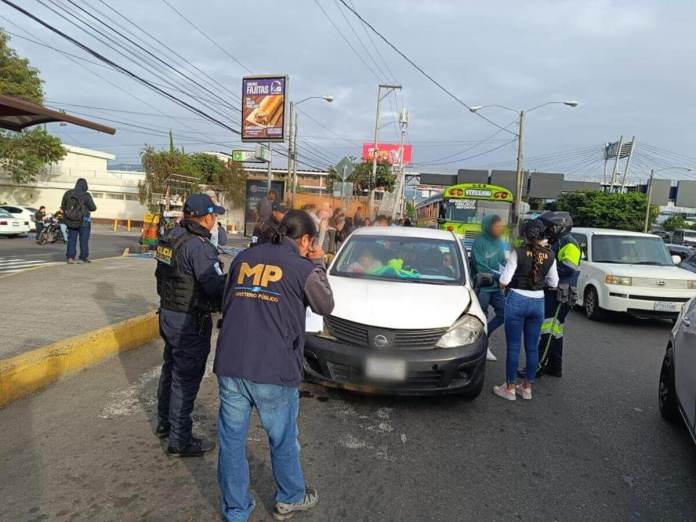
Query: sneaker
(490,356)
(195,448)
(504,392)
(283,511)
(85,260)
(525,393)
(71,261)
(162,431)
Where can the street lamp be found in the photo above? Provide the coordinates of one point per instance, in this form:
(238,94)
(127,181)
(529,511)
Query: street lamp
(520,144)
(650,183)
(292,140)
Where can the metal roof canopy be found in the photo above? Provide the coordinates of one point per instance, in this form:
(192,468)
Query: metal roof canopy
(17,114)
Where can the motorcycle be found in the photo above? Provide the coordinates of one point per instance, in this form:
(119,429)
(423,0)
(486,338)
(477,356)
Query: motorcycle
(51,232)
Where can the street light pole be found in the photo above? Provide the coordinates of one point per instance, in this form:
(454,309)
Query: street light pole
(647,207)
(520,174)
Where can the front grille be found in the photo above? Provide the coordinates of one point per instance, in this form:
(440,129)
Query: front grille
(657,298)
(651,282)
(359,334)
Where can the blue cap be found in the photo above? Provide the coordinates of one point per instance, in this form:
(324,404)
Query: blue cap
(200,205)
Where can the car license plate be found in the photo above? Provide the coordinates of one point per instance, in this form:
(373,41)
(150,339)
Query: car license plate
(666,307)
(15,223)
(385,369)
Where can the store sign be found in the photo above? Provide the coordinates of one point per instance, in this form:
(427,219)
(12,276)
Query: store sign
(264,100)
(386,152)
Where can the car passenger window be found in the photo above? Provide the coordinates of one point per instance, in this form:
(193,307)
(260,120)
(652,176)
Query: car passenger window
(582,243)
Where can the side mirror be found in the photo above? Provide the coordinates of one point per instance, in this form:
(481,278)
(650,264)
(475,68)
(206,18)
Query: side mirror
(676,259)
(483,279)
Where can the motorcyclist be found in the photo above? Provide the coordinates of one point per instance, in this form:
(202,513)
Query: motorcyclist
(558,302)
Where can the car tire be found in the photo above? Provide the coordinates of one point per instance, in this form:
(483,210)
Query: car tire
(667,395)
(591,304)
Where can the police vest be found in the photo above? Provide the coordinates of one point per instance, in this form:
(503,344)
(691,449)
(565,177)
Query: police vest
(522,279)
(178,291)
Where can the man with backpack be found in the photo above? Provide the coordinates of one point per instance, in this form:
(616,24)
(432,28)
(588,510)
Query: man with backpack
(76,207)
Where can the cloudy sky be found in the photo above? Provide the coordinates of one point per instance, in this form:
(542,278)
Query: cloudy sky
(629,63)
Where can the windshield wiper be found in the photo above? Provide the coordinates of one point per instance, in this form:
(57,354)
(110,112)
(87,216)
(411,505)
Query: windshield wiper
(655,263)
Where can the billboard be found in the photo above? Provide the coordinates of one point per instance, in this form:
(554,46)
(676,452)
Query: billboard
(472,176)
(545,185)
(686,194)
(256,190)
(386,152)
(264,100)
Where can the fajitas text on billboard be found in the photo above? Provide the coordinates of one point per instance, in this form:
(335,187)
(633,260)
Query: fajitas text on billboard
(263,107)
(386,152)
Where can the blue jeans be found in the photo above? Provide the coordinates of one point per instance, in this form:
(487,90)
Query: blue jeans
(278,407)
(523,318)
(496,299)
(64,231)
(83,234)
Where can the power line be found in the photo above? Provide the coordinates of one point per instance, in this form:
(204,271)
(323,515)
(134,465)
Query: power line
(124,70)
(420,69)
(474,155)
(207,37)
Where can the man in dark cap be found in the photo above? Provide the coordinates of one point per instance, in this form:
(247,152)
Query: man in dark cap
(190,283)
(264,230)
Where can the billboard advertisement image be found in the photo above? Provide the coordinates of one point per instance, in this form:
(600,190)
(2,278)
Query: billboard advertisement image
(388,152)
(263,108)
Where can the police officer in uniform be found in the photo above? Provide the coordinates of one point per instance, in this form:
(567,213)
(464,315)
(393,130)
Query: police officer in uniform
(266,228)
(558,302)
(190,283)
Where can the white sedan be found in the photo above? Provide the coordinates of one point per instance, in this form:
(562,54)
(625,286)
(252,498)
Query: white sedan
(10,226)
(24,214)
(630,272)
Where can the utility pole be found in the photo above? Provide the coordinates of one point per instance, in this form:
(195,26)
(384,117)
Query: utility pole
(399,195)
(520,174)
(291,155)
(270,168)
(616,165)
(647,208)
(373,177)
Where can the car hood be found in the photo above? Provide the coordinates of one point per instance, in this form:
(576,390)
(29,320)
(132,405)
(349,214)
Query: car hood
(397,305)
(664,272)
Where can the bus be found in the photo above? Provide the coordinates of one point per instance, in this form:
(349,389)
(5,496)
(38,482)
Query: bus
(460,209)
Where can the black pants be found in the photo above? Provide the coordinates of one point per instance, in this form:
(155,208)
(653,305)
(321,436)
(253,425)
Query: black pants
(186,348)
(39,228)
(553,331)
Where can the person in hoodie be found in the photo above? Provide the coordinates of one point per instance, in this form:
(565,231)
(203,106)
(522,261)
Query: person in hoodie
(488,256)
(76,206)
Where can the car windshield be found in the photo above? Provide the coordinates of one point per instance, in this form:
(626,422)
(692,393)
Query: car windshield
(630,250)
(471,211)
(407,259)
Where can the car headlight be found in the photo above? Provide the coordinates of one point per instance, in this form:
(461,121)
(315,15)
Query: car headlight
(466,330)
(618,280)
(691,284)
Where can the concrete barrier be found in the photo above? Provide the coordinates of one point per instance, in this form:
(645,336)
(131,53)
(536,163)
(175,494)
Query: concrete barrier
(25,373)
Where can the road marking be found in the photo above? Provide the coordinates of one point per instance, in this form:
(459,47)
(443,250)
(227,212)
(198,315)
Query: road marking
(10,265)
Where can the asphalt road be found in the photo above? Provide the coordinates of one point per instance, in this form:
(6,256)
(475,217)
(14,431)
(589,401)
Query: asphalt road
(19,253)
(590,446)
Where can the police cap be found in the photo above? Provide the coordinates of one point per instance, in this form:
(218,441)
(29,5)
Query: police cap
(200,205)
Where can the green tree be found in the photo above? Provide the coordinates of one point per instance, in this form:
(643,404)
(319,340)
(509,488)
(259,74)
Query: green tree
(163,165)
(226,178)
(410,210)
(361,177)
(607,210)
(673,223)
(24,154)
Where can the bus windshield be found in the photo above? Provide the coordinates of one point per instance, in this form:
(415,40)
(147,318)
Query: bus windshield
(471,211)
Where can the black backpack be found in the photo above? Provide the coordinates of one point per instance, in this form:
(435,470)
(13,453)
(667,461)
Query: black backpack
(73,213)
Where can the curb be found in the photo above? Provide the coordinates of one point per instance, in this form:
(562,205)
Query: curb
(28,372)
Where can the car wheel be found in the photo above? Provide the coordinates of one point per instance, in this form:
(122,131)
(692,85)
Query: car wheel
(667,393)
(591,303)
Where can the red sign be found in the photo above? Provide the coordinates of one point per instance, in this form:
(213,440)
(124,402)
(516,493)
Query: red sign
(388,152)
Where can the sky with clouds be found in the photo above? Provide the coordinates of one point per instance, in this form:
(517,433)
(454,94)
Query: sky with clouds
(627,62)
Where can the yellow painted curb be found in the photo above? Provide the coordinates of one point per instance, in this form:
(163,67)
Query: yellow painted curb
(25,373)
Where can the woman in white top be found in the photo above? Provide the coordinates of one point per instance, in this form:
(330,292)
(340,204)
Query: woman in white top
(528,269)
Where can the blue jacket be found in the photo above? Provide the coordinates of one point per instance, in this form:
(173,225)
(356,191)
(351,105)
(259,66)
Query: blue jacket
(264,307)
(488,254)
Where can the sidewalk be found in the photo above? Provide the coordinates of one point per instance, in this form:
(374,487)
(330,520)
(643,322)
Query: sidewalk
(52,303)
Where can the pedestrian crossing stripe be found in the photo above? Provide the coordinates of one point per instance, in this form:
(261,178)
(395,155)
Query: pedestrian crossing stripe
(10,265)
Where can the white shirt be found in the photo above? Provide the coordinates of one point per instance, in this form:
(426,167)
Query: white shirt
(510,268)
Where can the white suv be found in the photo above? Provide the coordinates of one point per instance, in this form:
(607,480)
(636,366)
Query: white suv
(630,272)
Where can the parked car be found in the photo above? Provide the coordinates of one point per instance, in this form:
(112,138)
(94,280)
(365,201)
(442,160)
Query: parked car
(630,272)
(677,391)
(21,213)
(684,236)
(406,319)
(11,226)
(689,262)
(663,234)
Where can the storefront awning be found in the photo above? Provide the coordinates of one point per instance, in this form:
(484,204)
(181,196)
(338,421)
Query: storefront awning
(17,114)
